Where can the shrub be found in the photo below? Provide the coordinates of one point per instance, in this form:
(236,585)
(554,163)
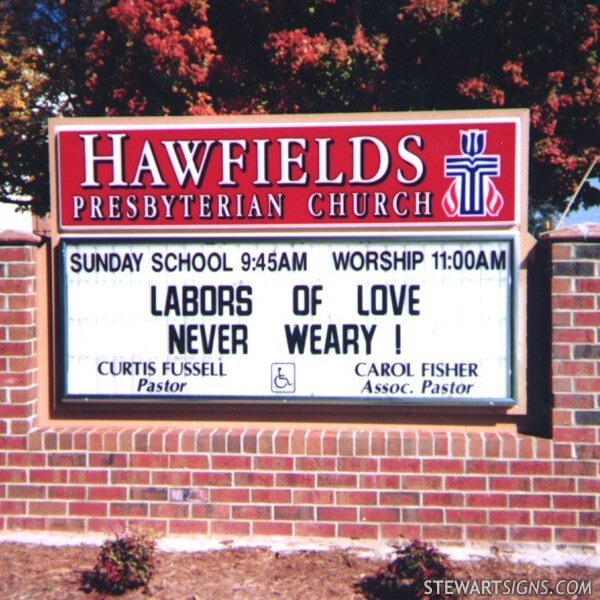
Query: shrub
(404,577)
(124,563)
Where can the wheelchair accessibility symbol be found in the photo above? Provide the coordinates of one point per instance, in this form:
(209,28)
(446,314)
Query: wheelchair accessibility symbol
(283,378)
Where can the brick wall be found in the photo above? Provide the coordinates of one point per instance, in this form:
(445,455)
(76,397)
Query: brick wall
(443,486)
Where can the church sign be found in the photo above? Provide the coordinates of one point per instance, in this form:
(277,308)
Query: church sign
(366,260)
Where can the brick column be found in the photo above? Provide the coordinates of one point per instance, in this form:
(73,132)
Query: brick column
(18,386)
(575,254)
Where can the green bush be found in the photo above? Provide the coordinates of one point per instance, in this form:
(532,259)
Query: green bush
(404,577)
(124,563)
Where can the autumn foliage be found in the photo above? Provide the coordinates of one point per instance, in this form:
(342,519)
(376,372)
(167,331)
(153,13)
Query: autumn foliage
(202,57)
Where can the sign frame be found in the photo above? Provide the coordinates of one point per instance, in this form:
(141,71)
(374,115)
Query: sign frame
(174,409)
(228,124)
(239,400)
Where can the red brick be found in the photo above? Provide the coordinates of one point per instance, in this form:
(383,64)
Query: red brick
(170,511)
(530,467)
(574,367)
(336,513)
(400,465)
(277,463)
(107,493)
(209,478)
(589,519)
(250,441)
(399,498)
(466,483)
(576,468)
(128,509)
(282,442)
(356,498)
(269,528)
(574,502)
(357,531)
(540,535)
(295,480)
(314,497)
(466,515)
(553,484)
(47,508)
(148,461)
(188,527)
(188,461)
(88,476)
(485,466)
(12,507)
(313,443)
(422,482)
(229,528)
(149,493)
(578,535)
(443,465)
(554,518)
(211,511)
(356,465)
(443,499)
(393,443)
(346,443)
(574,434)
(529,501)
(107,460)
(231,463)
(378,443)
(570,302)
(379,515)
(329,443)
(229,495)
(570,335)
(177,478)
(510,517)
(583,319)
(271,496)
(309,463)
(588,486)
(419,515)
(587,384)
(13,476)
(486,532)
(252,513)
(306,529)
(27,459)
(443,532)
(396,531)
(88,509)
(295,513)
(385,482)
(66,492)
(587,285)
(118,477)
(26,492)
(266,442)
(68,524)
(254,479)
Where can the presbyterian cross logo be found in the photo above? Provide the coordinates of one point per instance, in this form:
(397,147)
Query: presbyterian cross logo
(472,193)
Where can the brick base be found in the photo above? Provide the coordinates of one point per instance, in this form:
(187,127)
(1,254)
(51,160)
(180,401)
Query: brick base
(472,486)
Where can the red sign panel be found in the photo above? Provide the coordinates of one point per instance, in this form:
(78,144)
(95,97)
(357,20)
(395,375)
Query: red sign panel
(365,171)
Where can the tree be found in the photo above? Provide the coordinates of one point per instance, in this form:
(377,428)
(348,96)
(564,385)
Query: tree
(43,45)
(134,57)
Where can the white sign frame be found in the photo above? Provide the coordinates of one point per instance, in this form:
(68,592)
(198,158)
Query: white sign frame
(470,368)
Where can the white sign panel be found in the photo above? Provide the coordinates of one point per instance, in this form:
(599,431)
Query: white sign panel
(371,320)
